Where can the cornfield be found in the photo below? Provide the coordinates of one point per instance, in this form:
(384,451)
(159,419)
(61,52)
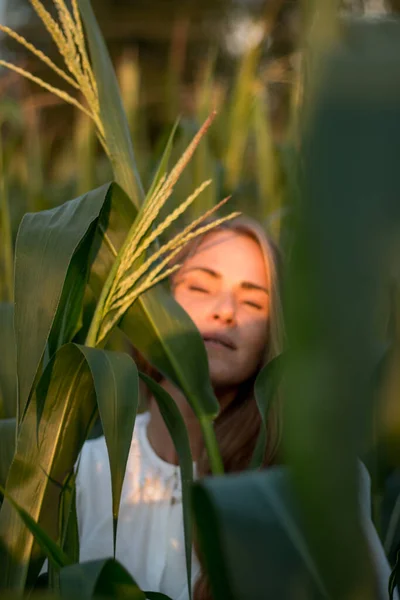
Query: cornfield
(84,280)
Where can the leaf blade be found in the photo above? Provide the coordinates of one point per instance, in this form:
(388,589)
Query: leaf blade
(113,115)
(46,244)
(116,384)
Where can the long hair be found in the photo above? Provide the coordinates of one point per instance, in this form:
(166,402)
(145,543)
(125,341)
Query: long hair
(238,424)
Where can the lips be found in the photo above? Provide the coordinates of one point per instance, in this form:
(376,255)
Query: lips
(221,339)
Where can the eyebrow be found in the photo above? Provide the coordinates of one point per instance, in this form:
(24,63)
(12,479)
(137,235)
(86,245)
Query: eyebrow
(246,285)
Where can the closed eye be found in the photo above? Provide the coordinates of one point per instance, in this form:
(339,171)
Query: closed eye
(196,288)
(253,304)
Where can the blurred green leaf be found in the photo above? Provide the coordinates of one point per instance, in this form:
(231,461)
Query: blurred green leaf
(267,169)
(265,389)
(101,578)
(178,432)
(8,363)
(348,224)
(240,115)
(6,237)
(251,539)
(113,115)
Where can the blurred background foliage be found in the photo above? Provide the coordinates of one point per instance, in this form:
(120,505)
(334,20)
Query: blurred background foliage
(240,57)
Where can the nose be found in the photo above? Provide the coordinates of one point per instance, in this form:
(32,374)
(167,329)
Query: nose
(224,310)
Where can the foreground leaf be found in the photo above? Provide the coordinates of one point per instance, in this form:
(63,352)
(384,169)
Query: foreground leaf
(105,578)
(251,539)
(57,422)
(51,435)
(265,389)
(342,263)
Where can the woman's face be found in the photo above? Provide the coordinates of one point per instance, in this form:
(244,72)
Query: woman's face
(224,287)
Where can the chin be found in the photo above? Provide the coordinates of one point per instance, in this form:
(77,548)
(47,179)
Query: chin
(221,375)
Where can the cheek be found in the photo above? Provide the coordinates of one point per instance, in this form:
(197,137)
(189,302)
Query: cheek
(193,308)
(255,339)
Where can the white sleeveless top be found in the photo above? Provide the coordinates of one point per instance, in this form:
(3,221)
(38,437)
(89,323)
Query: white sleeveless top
(150,539)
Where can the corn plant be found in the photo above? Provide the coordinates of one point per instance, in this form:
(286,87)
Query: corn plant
(120,272)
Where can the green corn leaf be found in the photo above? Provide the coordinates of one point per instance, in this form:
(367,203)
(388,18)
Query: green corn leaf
(55,426)
(68,520)
(51,435)
(113,116)
(68,318)
(116,384)
(251,539)
(54,553)
(101,578)
(178,432)
(46,244)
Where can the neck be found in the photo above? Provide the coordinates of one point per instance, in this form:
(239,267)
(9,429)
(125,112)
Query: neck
(158,433)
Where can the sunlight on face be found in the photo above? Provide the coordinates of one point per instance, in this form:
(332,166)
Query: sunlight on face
(224,287)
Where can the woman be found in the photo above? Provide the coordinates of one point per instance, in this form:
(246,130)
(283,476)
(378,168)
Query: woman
(228,284)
